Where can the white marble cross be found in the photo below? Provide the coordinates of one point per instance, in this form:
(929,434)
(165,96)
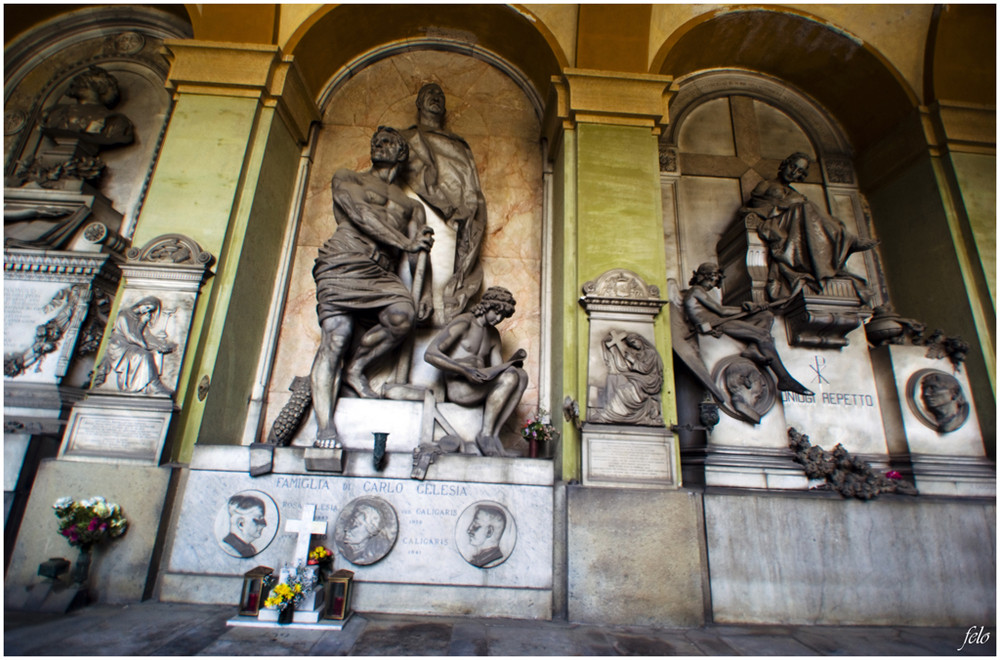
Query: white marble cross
(305,528)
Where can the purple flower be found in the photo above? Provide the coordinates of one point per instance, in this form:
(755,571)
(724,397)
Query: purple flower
(893,474)
(93,525)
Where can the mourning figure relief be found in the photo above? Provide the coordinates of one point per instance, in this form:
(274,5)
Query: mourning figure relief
(242,525)
(485,534)
(356,281)
(634,382)
(468,352)
(442,171)
(937,399)
(806,245)
(135,351)
(366,530)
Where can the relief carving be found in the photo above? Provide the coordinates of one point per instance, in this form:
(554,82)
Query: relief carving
(47,335)
(135,351)
(937,400)
(634,382)
(366,530)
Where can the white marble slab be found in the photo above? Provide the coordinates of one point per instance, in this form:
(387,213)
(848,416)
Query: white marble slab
(429,546)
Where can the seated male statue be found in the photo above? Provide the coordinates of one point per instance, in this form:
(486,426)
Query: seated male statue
(807,246)
(356,280)
(750,324)
(467,350)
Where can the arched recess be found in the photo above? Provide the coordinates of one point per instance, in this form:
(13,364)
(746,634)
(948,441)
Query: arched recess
(961,54)
(331,39)
(729,130)
(496,109)
(844,74)
(127,42)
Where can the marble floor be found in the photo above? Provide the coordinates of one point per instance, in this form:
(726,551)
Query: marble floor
(153,628)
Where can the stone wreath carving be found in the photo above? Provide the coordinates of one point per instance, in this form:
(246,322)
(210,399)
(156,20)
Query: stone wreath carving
(848,475)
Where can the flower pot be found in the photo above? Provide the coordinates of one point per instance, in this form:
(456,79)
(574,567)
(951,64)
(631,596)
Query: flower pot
(532,448)
(285,615)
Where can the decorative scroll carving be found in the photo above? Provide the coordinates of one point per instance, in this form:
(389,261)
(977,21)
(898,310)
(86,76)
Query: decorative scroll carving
(668,158)
(47,335)
(619,283)
(170,248)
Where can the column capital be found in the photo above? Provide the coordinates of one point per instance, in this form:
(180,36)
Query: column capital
(607,97)
(259,71)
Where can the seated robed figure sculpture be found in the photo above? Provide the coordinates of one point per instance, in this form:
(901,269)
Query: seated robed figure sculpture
(807,246)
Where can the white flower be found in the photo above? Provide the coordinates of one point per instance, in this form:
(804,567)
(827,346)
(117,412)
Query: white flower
(63,503)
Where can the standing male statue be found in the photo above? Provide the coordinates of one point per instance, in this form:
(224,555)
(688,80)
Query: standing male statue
(442,171)
(356,280)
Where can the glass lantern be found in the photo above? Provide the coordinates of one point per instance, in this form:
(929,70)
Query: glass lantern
(254,591)
(338,595)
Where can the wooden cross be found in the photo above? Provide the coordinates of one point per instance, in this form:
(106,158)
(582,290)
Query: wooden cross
(305,528)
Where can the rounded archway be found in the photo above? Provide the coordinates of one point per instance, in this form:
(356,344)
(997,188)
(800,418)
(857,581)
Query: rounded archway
(844,74)
(332,39)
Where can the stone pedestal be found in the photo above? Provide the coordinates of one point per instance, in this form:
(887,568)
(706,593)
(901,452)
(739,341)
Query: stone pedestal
(945,447)
(635,557)
(625,442)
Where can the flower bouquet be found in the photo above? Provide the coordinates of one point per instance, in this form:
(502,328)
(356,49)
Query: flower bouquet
(289,592)
(539,430)
(322,557)
(88,523)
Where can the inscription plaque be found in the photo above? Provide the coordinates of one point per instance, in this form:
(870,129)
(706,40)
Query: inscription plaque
(628,457)
(132,437)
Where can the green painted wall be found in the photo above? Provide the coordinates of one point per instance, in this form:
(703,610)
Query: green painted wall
(198,172)
(618,224)
(923,272)
(258,259)
(977,179)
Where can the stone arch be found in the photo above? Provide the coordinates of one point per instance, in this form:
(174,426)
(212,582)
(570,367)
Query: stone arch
(127,43)
(333,38)
(706,180)
(961,51)
(843,73)
(496,109)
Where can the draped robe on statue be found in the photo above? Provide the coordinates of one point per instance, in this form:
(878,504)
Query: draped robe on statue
(442,171)
(806,244)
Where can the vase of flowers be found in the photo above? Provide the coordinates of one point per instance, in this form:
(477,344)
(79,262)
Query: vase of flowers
(288,591)
(86,524)
(322,557)
(539,432)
